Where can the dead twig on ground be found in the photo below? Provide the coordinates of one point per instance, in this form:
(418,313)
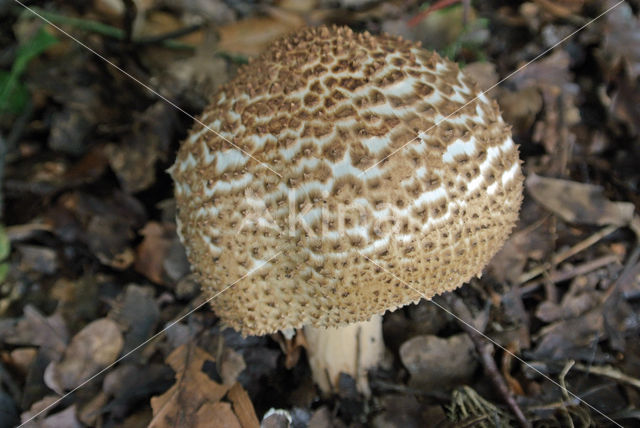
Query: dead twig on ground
(485,351)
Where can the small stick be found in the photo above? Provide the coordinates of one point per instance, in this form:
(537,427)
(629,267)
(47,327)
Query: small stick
(485,350)
(610,372)
(422,15)
(578,270)
(560,257)
(565,394)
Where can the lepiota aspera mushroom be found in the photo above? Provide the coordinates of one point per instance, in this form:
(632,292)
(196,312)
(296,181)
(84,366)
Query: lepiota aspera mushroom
(332,149)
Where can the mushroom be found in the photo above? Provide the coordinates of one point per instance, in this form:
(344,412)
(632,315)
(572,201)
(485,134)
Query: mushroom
(331,150)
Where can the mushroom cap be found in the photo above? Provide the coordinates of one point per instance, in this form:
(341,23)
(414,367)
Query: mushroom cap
(330,111)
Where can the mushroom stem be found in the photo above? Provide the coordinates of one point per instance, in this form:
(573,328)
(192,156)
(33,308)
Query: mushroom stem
(353,350)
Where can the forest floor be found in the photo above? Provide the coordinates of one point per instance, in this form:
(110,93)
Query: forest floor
(95,98)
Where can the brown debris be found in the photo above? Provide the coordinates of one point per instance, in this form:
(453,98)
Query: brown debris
(91,266)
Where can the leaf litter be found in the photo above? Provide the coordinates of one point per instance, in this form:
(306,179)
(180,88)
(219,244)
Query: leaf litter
(91,267)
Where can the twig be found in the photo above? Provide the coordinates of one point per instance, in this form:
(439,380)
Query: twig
(560,257)
(129,17)
(485,350)
(578,270)
(609,372)
(627,271)
(160,38)
(565,394)
(434,7)
(113,32)
(7,145)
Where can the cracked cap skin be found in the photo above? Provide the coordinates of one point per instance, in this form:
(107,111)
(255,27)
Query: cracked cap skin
(331,111)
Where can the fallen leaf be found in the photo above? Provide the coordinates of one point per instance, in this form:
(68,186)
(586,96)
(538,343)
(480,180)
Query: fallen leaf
(243,407)
(579,203)
(192,390)
(219,412)
(129,384)
(106,224)
(250,36)
(22,358)
(137,313)
(92,349)
(404,411)
(532,242)
(49,333)
(436,362)
(521,107)
(92,410)
(570,339)
(231,366)
(66,418)
(34,258)
(134,159)
(621,41)
(78,300)
(160,257)
(623,103)
(484,74)
(562,8)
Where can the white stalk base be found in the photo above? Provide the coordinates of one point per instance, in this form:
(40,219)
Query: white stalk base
(353,349)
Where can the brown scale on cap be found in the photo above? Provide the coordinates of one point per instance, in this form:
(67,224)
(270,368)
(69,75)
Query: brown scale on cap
(330,111)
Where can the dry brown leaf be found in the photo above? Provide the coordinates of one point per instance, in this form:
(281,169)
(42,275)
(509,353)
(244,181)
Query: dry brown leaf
(92,349)
(243,407)
(578,202)
(159,22)
(521,107)
(180,405)
(160,257)
(566,339)
(484,74)
(20,359)
(91,411)
(623,103)
(152,252)
(105,224)
(136,311)
(49,333)
(250,36)
(561,9)
(436,362)
(134,160)
(231,366)
(219,412)
(621,40)
(66,418)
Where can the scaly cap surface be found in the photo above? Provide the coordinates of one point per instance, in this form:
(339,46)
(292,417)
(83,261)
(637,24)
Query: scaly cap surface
(327,109)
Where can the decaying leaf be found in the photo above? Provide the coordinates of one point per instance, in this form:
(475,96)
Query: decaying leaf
(621,40)
(48,333)
(134,160)
(92,349)
(137,312)
(219,412)
(160,257)
(568,338)
(435,362)
(193,391)
(66,418)
(107,224)
(251,35)
(243,407)
(580,203)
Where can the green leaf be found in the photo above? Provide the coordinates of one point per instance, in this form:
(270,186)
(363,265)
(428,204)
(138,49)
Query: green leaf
(5,245)
(34,47)
(4,269)
(13,94)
